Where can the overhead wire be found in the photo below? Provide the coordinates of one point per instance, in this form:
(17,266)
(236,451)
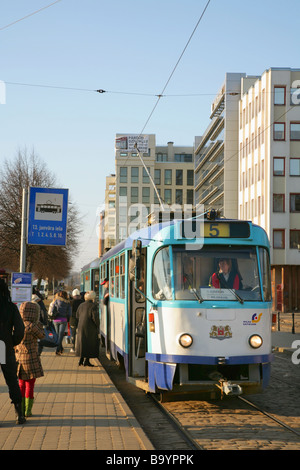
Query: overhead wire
(167,82)
(30,14)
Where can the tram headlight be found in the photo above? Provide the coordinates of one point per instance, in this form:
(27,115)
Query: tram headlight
(185,340)
(255,341)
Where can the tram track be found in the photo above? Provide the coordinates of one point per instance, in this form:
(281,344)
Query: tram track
(281,423)
(176,423)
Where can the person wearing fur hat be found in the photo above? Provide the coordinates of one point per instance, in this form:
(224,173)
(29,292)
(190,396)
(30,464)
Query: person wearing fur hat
(87,344)
(29,364)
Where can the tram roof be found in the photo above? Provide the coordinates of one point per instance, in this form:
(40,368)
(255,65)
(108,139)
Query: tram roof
(146,235)
(150,233)
(92,264)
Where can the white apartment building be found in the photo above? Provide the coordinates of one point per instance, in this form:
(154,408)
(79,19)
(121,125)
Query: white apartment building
(216,152)
(171,169)
(108,219)
(269,172)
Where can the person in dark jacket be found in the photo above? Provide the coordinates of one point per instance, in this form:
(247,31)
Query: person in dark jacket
(87,345)
(11,334)
(76,301)
(60,313)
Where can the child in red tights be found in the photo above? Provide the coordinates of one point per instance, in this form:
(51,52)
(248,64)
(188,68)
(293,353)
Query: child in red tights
(29,364)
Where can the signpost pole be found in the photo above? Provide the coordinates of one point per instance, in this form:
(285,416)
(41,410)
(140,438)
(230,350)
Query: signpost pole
(24,231)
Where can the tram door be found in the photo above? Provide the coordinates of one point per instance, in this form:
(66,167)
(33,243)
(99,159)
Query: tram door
(137,319)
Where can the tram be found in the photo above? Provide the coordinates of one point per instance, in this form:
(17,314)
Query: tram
(89,277)
(177,321)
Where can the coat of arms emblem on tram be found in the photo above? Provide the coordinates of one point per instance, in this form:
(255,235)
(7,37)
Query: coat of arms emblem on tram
(220,332)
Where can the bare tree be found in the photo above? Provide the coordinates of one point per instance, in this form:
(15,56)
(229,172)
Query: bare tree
(45,261)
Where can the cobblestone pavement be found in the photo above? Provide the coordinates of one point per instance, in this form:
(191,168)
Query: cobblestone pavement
(231,424)
(226,424)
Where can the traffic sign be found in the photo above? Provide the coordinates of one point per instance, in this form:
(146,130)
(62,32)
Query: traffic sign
(47,216)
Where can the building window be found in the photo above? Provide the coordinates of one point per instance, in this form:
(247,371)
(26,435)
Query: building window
(168,196)
(279,166)
(134,174)
(178,196)
(157,176)
(134,194)
(190,177)
(279,131)
(278,239)
(279,95)
(146,195)
(189,196)
(294,166)
(168,176)
(278,203)
(156,200)
(122,191)
(295,202)
(295,239)
(161,157)
(295,131)
(123,175)
(295,96)
(183,157)
(179,177)
(146,178)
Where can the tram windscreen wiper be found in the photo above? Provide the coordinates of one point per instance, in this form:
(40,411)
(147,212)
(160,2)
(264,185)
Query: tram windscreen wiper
(236,295)
(198,296)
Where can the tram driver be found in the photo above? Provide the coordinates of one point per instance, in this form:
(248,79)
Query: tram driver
(226,276)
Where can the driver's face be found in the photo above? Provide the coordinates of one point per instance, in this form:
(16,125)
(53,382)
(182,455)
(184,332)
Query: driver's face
(224,266)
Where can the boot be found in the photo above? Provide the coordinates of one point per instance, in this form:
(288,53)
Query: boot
(20,419)
(80,361)
(87,363)
(28,406)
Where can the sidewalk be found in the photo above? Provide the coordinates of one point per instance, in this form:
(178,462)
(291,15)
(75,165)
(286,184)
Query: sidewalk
(75,408)
(284,340)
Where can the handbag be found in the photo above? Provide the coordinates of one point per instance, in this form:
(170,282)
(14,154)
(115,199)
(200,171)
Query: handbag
(51,338)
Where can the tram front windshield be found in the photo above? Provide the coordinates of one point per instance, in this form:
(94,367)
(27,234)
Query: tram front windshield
(213,273)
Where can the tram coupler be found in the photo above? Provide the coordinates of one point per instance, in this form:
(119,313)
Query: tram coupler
(229,389)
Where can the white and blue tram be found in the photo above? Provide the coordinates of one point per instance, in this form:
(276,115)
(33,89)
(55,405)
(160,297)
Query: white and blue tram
(89,277)
(168,322)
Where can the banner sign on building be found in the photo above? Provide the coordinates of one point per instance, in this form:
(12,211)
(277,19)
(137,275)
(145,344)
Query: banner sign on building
(47,216)
(130,141)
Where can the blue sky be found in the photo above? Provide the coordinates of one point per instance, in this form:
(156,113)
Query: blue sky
(124,47)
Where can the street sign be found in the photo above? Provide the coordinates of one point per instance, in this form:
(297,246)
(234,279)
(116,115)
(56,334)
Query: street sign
(47,216)
(21,287)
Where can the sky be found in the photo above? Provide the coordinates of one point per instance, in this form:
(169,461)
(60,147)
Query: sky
(54,55)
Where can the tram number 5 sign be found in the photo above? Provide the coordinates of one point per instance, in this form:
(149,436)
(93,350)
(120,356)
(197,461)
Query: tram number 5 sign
(47,216)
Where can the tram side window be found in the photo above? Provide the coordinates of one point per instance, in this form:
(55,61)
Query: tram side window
(265,273)
(161,280)
(112,278)
(117,276)
(122,276)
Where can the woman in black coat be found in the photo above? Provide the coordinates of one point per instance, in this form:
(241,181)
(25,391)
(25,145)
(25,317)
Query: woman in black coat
(87,340)
(11,334)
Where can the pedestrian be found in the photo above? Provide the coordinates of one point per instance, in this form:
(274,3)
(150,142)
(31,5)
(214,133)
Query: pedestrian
(11,334)
(76,301)
(29,363)
(87,344)
(105,283)
(60,313)
(36,297)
